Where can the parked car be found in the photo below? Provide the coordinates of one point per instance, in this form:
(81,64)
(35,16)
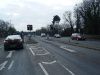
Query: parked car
(43,35)
(13,41)
(57,35)
(77,36)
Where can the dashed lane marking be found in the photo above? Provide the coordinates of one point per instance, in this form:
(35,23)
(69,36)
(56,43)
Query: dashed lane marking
(67,69)
(44,70)
(11,64)
(49,62)
(32,51)
(2,66)
(70,50)
(10,54)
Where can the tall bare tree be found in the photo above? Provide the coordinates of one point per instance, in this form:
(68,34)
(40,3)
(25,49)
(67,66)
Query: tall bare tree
(6,28)
(68,18)
(90,12)
(77,19)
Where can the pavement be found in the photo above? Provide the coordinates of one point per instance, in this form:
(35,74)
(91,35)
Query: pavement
(44,57)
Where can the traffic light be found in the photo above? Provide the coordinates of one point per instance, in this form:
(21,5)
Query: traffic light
(29,27)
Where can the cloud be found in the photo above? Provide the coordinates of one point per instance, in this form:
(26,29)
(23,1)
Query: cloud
(36,12)
(15,14)
(57,2)
(12,14)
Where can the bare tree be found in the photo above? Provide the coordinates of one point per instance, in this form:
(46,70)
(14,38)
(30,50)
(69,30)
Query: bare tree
(90,12)
(78,19)
(68,18)
(6,28)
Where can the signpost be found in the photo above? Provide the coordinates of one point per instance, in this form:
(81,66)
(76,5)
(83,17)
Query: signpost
(29,28)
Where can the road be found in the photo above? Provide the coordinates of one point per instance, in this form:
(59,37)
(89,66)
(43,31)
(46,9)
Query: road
(49,58)
(88,43)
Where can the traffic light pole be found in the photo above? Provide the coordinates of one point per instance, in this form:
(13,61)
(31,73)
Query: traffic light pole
(30,35)
(29,27)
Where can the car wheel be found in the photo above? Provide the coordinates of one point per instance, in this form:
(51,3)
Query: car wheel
(72,38)
(6,48)
(77,39)
(21,47)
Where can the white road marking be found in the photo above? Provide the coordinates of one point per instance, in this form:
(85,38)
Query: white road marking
(70,50)
(67,69)
(3,65)
(35,48)
(45,50)
(49,62)
(10,54)
(44,70)
(43,54)
(32,45)
(32,51)
(11,64)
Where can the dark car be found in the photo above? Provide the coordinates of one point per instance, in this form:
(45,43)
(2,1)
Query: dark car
(77,36)
(13,41)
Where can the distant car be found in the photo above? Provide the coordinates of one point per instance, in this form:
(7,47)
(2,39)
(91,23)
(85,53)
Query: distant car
(43,35)
(13,41)
(77,36)
(57,36)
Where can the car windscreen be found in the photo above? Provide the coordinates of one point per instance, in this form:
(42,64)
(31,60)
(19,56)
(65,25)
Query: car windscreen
(12,37)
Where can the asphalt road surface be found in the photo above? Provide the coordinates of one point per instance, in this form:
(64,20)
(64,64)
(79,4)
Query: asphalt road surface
(49,58)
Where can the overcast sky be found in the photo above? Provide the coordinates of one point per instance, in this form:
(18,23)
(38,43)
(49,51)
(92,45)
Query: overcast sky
(39,13)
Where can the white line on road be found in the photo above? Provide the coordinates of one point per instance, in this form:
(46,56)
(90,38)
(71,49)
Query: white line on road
(67,69)
(49,62)
(3,65)
(70,50)
(32,51)
(45,50)
(44,70)
(10,54)
(43,54)
(36,48)
(11,64)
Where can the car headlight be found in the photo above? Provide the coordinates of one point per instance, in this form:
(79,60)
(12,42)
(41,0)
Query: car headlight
(21,40)
(5,41)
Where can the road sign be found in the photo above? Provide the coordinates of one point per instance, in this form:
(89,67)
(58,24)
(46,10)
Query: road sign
(29,27)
